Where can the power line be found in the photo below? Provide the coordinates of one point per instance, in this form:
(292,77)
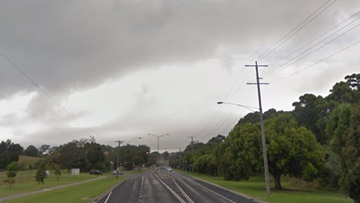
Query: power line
(37,118)
(342,50)
(39,87)
(318,37)
(299,27)
(279,68)
(218,110)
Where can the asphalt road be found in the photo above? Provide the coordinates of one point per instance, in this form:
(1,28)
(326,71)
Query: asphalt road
(156,186)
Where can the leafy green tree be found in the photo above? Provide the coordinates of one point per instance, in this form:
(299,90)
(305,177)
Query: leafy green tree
(346,143)
(243,152)
(57,171)
(339,123)
(204,164)
(9,152)
(11,173)
(312,112)
(44,148)
(40,173)
(347,91)
(292,150)
(31,150)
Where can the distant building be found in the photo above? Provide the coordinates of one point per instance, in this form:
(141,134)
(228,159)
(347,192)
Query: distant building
(75,171)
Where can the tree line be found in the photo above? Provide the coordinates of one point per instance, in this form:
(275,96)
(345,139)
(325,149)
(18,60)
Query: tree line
(319,140)
(85,154)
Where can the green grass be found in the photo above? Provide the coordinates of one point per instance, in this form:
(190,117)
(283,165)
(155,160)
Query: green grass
(25,182)
(293,193)
(27,161)
(75,194)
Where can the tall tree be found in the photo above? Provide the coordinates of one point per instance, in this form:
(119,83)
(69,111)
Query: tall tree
(31,150)
(9,152)
(312,112)
(292,150)
(346,142)
(347,91)
(43,149)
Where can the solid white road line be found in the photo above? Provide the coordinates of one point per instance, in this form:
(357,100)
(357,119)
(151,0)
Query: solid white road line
(172,191)
(183,192)
(107,199)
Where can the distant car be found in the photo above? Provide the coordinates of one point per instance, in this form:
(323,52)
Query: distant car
(119,172)
(95,172)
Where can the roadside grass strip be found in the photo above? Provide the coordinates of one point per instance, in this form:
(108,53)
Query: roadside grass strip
(25,182)
(74,194)
(255,188)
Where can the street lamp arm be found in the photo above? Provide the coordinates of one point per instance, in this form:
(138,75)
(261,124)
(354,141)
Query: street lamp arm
(158,136)
(250,108)
(134,139)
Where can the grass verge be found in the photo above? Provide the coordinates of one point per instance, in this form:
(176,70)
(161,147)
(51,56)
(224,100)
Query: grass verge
(74,194)
(25,182)
(255,188)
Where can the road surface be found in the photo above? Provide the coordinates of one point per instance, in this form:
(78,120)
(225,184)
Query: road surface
(156,186)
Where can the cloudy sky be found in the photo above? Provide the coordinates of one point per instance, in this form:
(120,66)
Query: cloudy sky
(119,69)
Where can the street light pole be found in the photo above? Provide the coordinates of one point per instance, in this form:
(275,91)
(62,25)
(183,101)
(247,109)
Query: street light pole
(266,167)
(127,144)
(158,143)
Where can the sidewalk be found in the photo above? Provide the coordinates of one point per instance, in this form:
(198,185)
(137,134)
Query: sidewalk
(47,189)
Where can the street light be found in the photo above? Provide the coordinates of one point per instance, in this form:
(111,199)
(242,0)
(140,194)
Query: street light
(266,166)
(250,108)
(118,154)
(134,139)
(158,138)
(129,143)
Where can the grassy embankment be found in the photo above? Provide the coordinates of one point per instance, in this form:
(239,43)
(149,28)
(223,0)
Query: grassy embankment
(295,190)
(74,194)
(25,182)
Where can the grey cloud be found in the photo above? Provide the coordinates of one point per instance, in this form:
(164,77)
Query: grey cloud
(79,44)
(69,45)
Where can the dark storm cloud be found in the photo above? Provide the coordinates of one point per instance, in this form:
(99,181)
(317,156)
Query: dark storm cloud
(78,44)
(67,45)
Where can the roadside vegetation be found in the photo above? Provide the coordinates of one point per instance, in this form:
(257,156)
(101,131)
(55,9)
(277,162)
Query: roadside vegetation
(74,194)
(26,182)
(45,167)
(296,191)
(318,143)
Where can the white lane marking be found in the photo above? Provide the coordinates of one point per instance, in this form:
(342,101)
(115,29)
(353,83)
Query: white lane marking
(215,192)
(182,191)
(209,189)
(142,181)
(141,188)
(172,191)
(107,199)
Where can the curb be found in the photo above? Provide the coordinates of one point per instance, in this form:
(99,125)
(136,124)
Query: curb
(234,192)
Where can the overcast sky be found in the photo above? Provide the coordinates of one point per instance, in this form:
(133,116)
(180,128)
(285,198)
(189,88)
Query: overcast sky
(119,69)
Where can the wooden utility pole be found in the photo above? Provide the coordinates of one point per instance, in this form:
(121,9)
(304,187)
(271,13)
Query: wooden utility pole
(117,160)
(266,165)
(192,151)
